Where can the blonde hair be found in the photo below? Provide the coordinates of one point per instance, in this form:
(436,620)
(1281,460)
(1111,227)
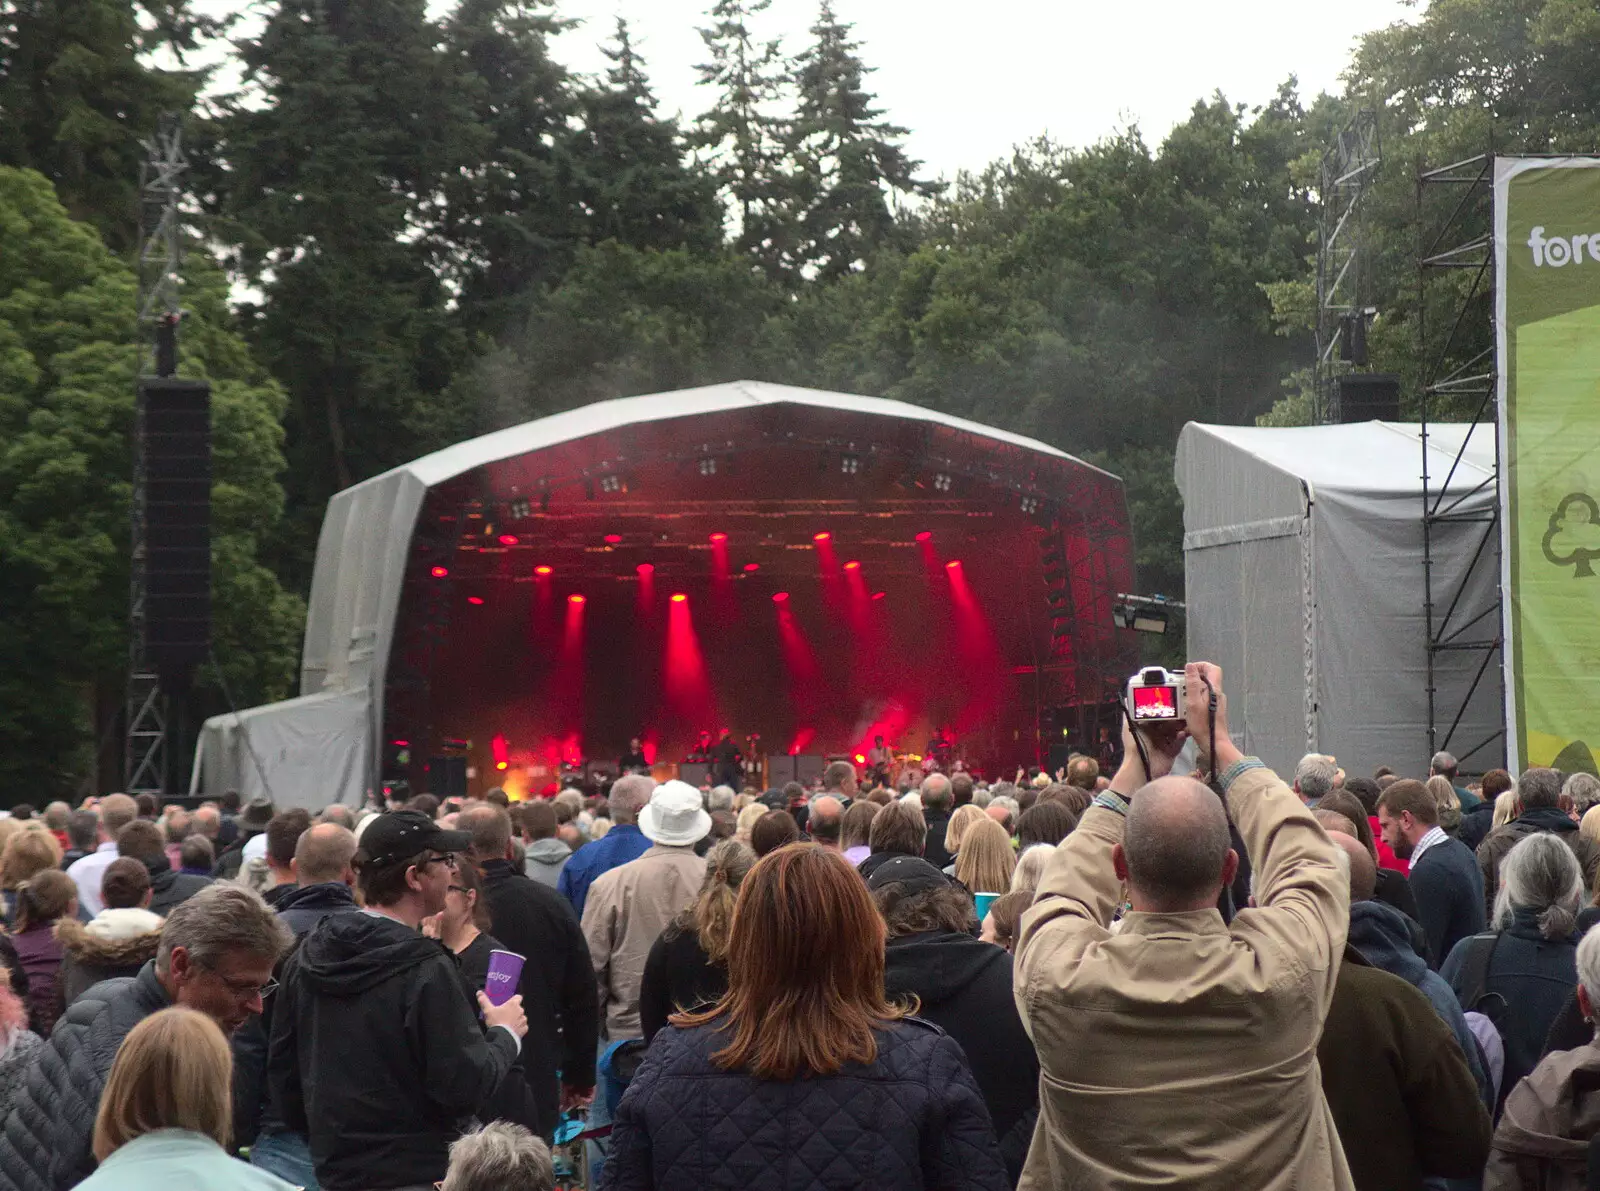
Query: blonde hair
(964,816)
(8,828)
(1444,794)
(747,820)
(28,852)
(1589,825)
(727,865)
(986,861)
(1505,809)
(173,1071)
(1030,868)
(599,828)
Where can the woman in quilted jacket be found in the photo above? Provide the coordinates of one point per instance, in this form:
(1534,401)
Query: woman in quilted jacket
(804,1077)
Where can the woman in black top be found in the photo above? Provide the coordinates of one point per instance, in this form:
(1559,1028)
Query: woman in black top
(687,966)
(464,927)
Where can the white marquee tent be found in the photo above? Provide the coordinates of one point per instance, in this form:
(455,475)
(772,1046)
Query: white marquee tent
(1304,562)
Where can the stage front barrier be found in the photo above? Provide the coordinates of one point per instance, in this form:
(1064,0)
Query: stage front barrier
(1547,322)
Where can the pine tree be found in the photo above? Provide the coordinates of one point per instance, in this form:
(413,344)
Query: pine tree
(744,137)
(850,163)
(77,93)
(509,218)
(636,187)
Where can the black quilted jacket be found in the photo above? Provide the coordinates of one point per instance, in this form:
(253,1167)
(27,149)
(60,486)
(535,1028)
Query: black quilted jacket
(911,1121)
(46,1140)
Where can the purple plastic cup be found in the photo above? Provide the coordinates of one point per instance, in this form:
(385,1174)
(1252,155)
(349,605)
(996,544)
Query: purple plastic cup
(505,973)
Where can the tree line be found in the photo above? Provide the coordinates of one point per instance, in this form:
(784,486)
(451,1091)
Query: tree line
(410,228)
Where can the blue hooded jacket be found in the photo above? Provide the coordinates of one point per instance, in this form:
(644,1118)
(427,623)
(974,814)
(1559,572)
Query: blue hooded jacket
(1384,937)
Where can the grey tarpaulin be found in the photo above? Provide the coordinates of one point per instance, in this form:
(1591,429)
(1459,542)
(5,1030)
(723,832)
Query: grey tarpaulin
(366,540)
(1304,574)
(303,752)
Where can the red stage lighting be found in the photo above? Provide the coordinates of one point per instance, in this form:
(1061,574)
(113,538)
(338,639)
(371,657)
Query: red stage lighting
(780,597)
(500,765)
(852,565)
(439,572)
(613,539)
(860,759)
(719,537)
(751,568)
(953,564)
(543,570)
(645,568)
(574,598)
(824,536)
(878,595)
(508,539)
(475,599)
(678,597)
(925,536)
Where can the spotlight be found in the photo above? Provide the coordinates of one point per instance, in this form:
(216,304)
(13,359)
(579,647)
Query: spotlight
(543,570)
(824,536)
(611,483)
(574,598)
(508,539)
(645,568)
(878,595)
(942,481)
(925,536)
(440,572)
(718,538)
(860,760)
(708,466)
(750,568)
(613,539)
(475,600)
(500,765)
(781,597)
(679,598)
(852,565)
(520,508)
(1028,504)
(850,464)
(953,565)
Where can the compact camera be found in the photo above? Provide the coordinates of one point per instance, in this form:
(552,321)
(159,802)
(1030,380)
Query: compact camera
(1155,696)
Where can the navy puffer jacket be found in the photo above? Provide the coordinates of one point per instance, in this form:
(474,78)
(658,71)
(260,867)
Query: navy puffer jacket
(46,1142)
(913,1120)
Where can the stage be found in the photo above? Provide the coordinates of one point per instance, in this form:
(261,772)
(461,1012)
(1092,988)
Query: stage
(811,568)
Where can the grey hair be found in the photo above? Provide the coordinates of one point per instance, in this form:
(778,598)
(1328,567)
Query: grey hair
(1315,774)
(499,1157)
(1030,867)
(220,919)
(1444,764)
(720,799)
(1539,787)
(1583,789)
(936,792)
(629,795)
(1540,873)
(981,799)
(1589,966)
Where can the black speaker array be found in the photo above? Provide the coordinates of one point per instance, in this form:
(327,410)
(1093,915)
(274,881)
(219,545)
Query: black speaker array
(175,446)
(1369,396)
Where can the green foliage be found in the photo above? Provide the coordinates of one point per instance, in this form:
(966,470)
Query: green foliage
(69,353)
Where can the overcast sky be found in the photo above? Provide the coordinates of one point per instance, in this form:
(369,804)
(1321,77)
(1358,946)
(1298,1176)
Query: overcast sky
(972,79)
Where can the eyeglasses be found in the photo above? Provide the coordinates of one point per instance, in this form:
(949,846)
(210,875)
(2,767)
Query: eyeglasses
(249,988)
(448,860)
(458,889)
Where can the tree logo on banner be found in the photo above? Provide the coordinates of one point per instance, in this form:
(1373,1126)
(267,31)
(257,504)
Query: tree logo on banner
(1573,539)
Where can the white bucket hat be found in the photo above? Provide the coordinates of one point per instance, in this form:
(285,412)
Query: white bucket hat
(675,816)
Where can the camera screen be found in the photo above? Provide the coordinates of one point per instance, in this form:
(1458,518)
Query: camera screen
(1155,702)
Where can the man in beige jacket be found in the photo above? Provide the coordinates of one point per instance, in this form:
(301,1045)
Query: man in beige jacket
(1181,1051)
(628,907)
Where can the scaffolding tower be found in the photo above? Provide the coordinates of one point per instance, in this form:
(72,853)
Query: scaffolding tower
(1349,168)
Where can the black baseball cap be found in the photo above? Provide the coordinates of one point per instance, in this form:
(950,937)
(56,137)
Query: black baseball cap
(913,872)
(400,835)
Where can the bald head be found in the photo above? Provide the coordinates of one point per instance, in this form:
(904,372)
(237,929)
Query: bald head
(1363,872)
(324,854)
(1174,852)
(936,793)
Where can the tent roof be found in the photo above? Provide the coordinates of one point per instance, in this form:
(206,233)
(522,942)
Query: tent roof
(1374,458)
(603,416)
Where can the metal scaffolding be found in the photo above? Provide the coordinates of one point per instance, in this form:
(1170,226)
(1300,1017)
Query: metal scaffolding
(1455,274)
(1348,171)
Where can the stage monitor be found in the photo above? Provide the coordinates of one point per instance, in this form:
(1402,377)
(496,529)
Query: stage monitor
(808,769)
(780,770)
(696,773)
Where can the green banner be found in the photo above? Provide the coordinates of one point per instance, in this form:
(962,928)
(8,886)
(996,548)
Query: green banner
(1547,240)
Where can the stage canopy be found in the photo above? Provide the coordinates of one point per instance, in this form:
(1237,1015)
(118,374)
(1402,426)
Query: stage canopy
(1304,572)
(811,567)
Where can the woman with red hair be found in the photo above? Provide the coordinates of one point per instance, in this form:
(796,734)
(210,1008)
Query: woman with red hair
(804,1075)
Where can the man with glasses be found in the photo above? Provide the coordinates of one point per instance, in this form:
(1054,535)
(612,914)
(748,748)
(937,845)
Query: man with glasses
(376,1052)
(216,956)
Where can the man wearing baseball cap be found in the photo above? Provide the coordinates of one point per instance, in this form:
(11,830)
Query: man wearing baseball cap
(376,1052)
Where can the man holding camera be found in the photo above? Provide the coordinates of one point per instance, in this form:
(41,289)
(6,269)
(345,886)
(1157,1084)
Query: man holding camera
(1182,1050)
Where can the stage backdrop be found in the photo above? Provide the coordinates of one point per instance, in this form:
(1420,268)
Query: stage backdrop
(1547,241)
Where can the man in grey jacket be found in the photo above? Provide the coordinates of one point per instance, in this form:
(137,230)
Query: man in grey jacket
(545,855)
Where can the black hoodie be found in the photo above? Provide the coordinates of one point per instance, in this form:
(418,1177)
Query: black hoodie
(377,1020)
(964,985)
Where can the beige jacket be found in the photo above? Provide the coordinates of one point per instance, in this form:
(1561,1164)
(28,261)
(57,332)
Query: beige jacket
(1543,1138)
(625,912)
(1182,1051)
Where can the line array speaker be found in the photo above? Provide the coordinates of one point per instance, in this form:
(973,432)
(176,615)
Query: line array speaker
(175,447)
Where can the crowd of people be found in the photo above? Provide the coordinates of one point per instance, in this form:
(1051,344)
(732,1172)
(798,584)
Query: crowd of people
(1100,980)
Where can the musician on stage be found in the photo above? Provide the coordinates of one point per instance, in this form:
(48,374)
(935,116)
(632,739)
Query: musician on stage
(633,761)
(726,762)
(880,759)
